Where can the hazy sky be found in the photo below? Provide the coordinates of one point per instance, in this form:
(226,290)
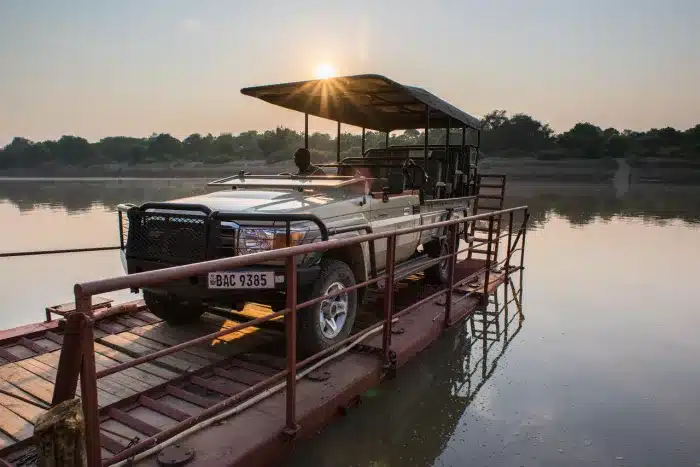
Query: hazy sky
(99,68)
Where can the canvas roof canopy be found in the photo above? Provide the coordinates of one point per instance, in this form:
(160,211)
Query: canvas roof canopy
(369,101)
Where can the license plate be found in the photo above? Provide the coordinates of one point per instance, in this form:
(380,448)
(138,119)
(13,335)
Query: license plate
(242,280)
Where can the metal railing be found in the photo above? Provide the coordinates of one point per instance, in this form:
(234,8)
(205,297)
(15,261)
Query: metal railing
(77,359)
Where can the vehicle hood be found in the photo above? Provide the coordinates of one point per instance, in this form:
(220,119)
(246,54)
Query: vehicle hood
(267,201)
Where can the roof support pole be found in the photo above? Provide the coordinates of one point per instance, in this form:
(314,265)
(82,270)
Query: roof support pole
(466,162)
(337,145)
(425,138)
(306,131)
(478,145)
(449,173)
(363,143)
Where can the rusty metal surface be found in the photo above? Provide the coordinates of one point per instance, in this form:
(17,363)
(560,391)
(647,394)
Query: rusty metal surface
(452,250)
(175,456)
(290,325)
(388,299)
(256,432)
(88,383)
(71,358)
(216,389)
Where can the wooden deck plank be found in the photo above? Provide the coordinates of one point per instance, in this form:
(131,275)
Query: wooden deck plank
(145,378)
(156,346)
(137,350)
(20,351)
(121,430)
(109,391)
(108,326)
(120,385)
(129,321)
(8,356)
(169,336)
(152,417)
(181,405)
(147,316)
(25,410)
(14,426)
(48,344)
(27,381)
(148,367)
(7,335)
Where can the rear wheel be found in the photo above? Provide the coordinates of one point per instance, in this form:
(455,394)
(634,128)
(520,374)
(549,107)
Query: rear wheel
(437,274)
(326,323)
(170,310)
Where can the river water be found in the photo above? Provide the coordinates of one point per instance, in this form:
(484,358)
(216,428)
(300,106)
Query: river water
(600,366)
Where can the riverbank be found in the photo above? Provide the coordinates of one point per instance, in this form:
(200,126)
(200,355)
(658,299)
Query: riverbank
(657,170)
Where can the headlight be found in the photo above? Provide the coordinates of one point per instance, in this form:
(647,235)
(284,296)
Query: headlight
(252,240)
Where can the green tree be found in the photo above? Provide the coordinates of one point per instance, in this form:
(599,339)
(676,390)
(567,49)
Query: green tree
(585,139)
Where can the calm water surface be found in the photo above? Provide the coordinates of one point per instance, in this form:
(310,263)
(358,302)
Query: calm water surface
(600,366)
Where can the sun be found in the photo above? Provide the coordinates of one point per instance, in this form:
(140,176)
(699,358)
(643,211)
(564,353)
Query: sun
(324,71)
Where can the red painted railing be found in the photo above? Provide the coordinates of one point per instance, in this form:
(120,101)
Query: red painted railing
(77,360)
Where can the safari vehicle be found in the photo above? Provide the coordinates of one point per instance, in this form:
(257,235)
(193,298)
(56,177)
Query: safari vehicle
(382,190)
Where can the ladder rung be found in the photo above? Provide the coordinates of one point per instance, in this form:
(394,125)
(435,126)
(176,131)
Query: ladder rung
(490,208)
(485,229)
(490,185)
(489,196)
(485,239)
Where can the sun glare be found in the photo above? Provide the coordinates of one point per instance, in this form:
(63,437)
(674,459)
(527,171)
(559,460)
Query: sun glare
(324,71)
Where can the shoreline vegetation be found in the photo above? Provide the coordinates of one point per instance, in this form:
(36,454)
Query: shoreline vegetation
(518,145)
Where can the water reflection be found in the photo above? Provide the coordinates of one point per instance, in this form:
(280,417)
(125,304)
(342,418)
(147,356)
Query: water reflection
(77,196)
(582,204)
(411,420)
(579,203)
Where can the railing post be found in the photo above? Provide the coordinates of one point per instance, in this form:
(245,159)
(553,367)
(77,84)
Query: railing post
(505,308)
(88,383)
(71,358)
(488,260)
(451,250)
(509,247)
(290,322)
(522,249)
(388,298)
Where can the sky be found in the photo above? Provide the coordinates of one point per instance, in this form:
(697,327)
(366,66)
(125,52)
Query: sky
(97,68)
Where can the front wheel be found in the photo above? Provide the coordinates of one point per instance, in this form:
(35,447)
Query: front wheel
(330,321)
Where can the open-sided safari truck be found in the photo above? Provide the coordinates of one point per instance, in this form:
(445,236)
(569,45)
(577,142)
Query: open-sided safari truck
(384,189)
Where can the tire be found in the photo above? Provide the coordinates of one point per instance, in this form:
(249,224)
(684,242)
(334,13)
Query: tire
(315,334)
(438,273)
(171,311)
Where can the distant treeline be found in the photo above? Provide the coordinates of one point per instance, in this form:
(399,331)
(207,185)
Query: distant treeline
(507,136)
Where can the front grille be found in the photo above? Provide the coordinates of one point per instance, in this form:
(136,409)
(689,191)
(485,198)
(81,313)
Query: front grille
(175,238)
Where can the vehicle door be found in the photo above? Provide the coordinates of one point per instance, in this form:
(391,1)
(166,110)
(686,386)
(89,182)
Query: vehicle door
(391,213)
